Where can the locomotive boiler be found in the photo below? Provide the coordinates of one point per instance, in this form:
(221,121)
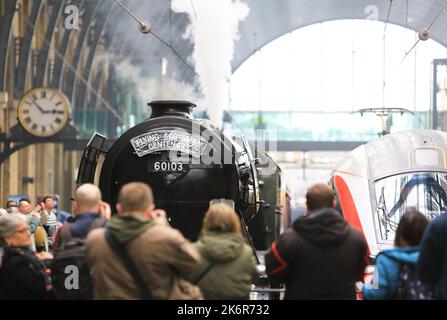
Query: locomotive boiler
(188,163)
(378,181)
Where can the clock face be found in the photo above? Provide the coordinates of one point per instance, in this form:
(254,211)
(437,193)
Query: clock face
(43,112)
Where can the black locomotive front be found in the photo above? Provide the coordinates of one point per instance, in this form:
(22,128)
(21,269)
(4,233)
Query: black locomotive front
(186,163)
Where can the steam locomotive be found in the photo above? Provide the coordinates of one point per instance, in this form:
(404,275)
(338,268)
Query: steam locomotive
(379,180)
(189,163)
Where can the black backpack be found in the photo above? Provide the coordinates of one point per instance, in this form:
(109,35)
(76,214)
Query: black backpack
(410,286)
(71,274)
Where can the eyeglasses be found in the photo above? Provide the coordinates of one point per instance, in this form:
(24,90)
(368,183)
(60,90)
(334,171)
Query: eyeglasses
(24,230)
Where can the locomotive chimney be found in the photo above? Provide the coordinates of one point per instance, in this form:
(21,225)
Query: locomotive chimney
(171,108)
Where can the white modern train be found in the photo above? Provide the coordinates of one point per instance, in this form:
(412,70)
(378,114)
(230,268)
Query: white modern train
(377,181)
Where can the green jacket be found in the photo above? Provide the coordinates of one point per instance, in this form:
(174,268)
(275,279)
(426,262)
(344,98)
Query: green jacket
(234,266)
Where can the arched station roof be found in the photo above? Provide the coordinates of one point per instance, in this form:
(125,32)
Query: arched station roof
(270,19)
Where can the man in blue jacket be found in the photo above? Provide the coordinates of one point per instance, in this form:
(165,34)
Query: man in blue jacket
(89,212)
(69,245)
(433,256)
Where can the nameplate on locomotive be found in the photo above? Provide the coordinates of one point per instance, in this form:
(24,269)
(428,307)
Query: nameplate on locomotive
(168,140)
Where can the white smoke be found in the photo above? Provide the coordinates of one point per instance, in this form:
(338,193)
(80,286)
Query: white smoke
(156,88)
(213,30)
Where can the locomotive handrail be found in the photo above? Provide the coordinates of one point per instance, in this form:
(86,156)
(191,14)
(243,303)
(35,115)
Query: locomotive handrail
(252,163)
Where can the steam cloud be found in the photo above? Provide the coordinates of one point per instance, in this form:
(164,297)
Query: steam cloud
(213,30)
(156,88)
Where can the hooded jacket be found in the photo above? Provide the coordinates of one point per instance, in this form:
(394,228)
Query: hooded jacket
(160,253)
(233,266)
(320,257)
(388,268)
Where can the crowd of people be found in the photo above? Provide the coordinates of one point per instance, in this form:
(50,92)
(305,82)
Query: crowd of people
(322,257)
(136,254)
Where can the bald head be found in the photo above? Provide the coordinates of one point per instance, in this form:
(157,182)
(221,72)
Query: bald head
(319,196)
(135,197)
(87,198)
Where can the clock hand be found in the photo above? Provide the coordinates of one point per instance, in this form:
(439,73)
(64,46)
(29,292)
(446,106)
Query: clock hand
(39,107)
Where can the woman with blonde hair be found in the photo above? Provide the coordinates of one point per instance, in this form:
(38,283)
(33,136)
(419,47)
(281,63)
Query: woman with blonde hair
(229,266)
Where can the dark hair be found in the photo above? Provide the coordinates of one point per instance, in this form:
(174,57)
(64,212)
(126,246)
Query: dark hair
(411,228)
(46,197)
(24,199)
(11,203)
(319,196)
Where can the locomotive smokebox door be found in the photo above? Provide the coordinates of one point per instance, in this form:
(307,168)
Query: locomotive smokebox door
(171,153)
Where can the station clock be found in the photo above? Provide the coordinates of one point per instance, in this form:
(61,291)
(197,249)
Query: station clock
(43,112)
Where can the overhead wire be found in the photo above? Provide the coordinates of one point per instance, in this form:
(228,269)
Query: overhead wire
(176,53)
(384,53)
(424,33)
(143,24)
(437,15)
(388,17)
(130,12)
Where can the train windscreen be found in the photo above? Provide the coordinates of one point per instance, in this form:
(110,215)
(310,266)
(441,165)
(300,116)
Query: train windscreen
(425,191)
